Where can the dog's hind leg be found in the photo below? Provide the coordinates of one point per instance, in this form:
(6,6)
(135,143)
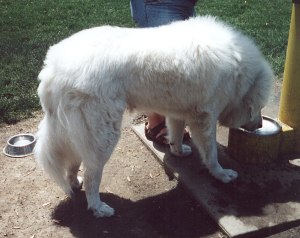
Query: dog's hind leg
(92,180)
(74,180)
(95,132)
(101,145)
(95,147)
(175,131)
(203,131)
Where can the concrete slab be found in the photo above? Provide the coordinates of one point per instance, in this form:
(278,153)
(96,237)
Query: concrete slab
(263,200)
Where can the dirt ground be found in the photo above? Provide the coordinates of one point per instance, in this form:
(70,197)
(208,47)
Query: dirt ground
(148,202)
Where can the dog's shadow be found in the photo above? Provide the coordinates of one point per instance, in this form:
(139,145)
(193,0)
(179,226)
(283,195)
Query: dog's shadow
(171,214)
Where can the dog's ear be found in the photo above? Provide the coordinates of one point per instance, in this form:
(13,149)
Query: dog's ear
(248,108)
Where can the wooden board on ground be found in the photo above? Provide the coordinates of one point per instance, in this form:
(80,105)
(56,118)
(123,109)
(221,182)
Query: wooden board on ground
(264,199)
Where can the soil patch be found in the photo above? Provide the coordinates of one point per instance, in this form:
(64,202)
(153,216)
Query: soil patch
(147,201)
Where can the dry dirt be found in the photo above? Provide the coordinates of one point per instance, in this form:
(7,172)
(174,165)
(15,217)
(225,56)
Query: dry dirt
(148,203)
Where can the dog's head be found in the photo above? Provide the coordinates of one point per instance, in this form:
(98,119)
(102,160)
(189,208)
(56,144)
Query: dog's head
(246,112)
(245,115)
(253,120)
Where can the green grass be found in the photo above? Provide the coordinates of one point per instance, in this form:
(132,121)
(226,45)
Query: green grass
(267,22)
(29,27)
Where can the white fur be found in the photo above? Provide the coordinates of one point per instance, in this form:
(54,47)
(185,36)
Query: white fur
(198,72)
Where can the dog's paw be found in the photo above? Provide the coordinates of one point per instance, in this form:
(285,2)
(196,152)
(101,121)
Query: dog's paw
(103,210)
(226,175)
(77,184)
(183,152)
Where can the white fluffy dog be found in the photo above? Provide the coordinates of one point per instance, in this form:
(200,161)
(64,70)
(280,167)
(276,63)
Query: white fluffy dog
(198,72)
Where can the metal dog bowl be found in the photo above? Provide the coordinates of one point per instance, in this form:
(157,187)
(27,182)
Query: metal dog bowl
(256,147)
(20,145)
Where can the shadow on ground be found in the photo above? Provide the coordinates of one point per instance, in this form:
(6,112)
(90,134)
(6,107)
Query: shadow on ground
(265,198)
(170,214)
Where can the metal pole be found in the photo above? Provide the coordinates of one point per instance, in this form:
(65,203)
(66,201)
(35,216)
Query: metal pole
(289,108)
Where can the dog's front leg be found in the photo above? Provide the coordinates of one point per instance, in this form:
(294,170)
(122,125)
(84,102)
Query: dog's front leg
(92,179)
(175,132)
(204,137)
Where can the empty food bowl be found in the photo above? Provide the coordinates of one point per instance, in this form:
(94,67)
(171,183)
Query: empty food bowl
(20,145)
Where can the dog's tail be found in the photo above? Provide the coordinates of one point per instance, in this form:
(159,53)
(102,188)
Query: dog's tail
(49,154)
(53,150)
